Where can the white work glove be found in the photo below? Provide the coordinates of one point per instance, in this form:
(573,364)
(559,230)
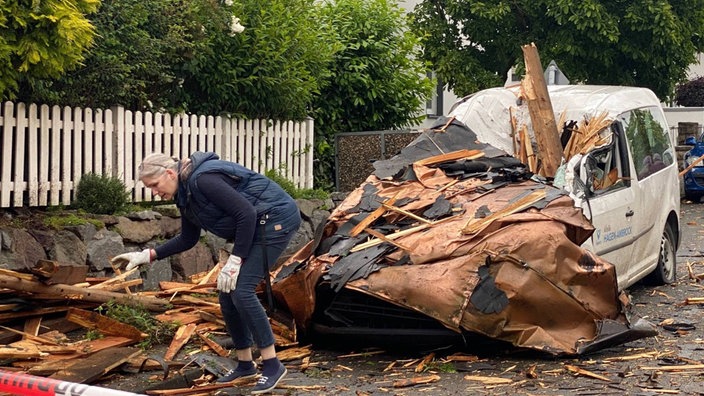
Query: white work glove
(133,259)
(227,279)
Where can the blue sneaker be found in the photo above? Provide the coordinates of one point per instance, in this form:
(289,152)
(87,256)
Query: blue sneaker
(238,373)
(266,384)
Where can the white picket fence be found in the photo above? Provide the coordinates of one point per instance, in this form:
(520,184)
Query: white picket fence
(45,150)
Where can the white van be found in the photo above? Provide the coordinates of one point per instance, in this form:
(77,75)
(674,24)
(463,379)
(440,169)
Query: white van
(636,220)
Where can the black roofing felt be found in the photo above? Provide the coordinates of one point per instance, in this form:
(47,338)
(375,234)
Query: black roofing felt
(432,142)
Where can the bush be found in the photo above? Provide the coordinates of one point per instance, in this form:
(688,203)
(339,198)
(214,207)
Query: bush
(691,93)
(101,194)
(292,190)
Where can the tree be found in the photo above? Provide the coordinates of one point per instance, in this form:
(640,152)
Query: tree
(472,44)
(40,39)
(691,93)
(377,81)
(139,52)
(272,69)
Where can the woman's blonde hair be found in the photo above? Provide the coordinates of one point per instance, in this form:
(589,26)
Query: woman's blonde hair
(156,164)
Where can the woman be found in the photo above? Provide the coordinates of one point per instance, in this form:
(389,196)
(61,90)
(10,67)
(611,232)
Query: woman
(235,203)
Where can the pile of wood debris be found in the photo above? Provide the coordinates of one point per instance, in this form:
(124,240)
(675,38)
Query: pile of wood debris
(41,309)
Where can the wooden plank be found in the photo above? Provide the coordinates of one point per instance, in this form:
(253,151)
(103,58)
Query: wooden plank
(409,214)
(104,324)
(400,234)
(200,390)
(682,367)
(210,278)
(290,354)
(29,336)
(93,367)
(452,156)
(52,272)
(183,334)
(179,317)
(21,350)
(31,326)
(371,217)
(78,293)
(120,285)
(116,269)
(530,158)
(514,131)
(198,303)
(403,383)
(476,225)
(55,362)
(19,275)
(586,373)
(39,311)
(541,113)
(114,279)
(217,348)
(383,237)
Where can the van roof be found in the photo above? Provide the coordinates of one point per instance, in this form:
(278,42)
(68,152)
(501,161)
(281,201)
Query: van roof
(488,112)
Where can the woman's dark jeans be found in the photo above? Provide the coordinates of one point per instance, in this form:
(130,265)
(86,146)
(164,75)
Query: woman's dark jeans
(244,314)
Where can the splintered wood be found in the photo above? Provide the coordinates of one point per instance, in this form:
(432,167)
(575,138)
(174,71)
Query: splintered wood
(546,130)
(476,225)
(453,156)
(587,135)
(193,305)
(542,116)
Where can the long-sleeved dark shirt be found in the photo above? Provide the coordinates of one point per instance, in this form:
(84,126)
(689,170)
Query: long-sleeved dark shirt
(218,189)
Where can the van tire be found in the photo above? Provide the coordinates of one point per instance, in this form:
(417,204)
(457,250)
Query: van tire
(666,270)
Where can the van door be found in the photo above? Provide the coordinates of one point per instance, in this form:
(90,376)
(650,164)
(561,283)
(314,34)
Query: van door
(650,149)
(609,201)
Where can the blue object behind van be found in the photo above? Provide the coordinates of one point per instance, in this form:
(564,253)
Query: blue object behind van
(694,178)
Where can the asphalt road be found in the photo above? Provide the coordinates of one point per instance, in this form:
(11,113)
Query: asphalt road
(671,363)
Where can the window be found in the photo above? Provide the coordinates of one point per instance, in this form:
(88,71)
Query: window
(649,141)
(434,107)
(609,164)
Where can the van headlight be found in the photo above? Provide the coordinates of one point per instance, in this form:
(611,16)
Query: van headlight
(691,159)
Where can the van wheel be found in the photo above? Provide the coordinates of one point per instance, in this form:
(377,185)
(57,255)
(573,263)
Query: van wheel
(665,272)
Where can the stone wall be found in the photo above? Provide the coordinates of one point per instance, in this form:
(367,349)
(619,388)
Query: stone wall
(24,240)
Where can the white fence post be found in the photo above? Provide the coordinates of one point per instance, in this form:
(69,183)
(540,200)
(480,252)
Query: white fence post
(44,147)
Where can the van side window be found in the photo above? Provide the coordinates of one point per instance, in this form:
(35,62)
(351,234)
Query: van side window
(648,141)
(609,164)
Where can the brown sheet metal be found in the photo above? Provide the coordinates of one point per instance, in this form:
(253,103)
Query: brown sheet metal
(558,293)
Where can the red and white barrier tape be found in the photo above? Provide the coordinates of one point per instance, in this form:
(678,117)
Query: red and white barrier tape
(30,385)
